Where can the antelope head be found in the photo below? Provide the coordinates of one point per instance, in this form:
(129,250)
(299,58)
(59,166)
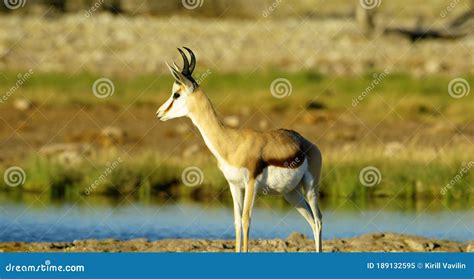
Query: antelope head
(184,85)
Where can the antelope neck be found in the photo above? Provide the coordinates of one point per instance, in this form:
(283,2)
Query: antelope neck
(215,134)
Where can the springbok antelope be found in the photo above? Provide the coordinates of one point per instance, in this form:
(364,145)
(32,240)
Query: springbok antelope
(277,162)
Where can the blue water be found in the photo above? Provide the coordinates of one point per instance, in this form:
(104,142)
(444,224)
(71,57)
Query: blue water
(20,221)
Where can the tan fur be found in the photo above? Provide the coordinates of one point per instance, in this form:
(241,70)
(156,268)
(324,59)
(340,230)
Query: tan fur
(247,148)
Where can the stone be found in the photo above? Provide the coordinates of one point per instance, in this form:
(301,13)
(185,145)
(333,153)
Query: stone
(191,150)
(470,246)
(296,237)
(182,128)
(111,136)
(432,66)
(415,246)
(232,121)
(393,148)
(263,124)
(22,104)
(68,154)
(309,118)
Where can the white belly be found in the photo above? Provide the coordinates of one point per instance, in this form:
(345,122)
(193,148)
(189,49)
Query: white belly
(272,180)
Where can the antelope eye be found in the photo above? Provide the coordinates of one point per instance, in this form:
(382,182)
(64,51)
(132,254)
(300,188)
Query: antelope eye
(176,95)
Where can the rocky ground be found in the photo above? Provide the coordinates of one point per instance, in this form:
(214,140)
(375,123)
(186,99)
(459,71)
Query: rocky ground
(374,242)
(110,45)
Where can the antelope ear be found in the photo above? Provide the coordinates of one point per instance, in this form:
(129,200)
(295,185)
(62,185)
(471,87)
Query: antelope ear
(177,75)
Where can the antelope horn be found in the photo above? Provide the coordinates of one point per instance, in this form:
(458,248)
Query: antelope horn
(185,70)
(192,65)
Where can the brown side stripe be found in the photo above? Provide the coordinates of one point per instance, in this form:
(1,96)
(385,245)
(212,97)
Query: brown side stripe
(292,162)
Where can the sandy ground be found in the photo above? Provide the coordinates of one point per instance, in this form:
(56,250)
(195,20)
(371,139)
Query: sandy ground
(374,242)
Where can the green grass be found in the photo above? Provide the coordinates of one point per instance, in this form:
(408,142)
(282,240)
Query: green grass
(406,94)
(410,174)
